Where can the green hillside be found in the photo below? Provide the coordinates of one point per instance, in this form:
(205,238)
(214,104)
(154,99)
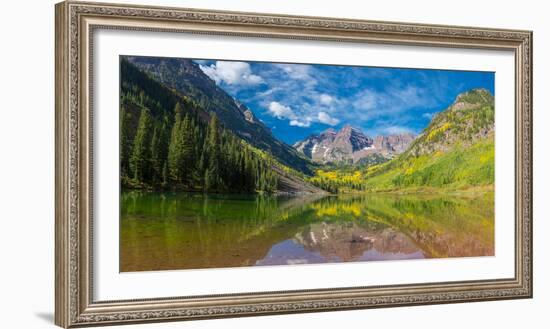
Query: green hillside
(184,76)
(459,167)
(167,141)
(455,151)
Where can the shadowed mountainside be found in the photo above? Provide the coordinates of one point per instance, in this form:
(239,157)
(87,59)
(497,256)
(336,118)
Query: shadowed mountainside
(186,77)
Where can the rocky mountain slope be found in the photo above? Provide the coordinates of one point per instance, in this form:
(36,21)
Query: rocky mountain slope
(352,242)
(455,150)
(469,119)
(186,78)
(157,122)
(351,145)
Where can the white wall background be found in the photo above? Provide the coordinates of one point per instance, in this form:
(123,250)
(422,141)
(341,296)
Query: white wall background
(27,162)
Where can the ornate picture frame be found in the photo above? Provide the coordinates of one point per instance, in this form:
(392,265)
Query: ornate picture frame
(75,24)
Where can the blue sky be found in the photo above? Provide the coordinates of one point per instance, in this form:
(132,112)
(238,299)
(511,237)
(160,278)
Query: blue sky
(297,100)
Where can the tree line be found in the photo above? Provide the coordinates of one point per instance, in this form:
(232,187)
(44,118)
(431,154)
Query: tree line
(179,149)
(337,184)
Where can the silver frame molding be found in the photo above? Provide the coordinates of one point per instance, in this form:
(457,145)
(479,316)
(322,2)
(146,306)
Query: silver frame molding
(75,23)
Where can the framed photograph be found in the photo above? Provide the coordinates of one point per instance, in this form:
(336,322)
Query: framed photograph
(219,164)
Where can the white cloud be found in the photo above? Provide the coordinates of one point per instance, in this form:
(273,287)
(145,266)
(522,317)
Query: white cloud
(409,95)
(267,93)
(396,130)
(297,71)
(370,104)
(232,73)
(366,100)
(325,118)
(281,111)
(304,95)
(298,123)
(325,99)
(297,75)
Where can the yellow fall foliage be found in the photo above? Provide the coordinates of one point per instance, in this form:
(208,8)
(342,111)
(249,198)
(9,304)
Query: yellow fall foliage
(438,131)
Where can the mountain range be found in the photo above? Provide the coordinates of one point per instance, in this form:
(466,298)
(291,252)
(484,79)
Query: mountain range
(162,97)
(351,145)
(169,141)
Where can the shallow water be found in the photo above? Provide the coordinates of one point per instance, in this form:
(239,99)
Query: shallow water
(164,231)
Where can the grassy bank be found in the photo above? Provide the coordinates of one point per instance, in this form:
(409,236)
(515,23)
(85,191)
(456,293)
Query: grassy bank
(456,169)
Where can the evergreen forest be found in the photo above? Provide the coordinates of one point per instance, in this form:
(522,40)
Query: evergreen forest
(168,142)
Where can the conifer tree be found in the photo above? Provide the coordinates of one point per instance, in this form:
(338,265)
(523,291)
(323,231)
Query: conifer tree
(142,98)
(174,149)
(125,143)
(212,179)
(156,156)
(165,173)
(164,140)
(186,148)
(141,156)
(183,151)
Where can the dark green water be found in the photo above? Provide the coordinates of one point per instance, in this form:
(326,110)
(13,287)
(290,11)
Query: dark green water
(164,231)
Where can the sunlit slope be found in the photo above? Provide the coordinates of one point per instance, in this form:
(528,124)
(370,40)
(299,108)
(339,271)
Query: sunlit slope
(456,150)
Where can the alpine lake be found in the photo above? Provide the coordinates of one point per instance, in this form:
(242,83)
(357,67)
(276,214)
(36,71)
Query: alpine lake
(169,231)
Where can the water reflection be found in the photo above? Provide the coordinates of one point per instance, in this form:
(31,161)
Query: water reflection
(183,231)
(341,242)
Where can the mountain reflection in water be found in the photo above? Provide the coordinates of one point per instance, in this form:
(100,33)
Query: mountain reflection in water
(344,242)
(163,231)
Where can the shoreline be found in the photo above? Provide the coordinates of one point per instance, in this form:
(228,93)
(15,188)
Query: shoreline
(480,189)
(464,191)
(200,191)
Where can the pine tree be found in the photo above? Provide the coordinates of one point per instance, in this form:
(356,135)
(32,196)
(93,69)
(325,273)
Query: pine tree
(187,149)
(164,141)
(140,159)
(165,173)
(212,179)
(156,156)
(125,143)
(142,98)
(175,167)
(196,142)
(183,151)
